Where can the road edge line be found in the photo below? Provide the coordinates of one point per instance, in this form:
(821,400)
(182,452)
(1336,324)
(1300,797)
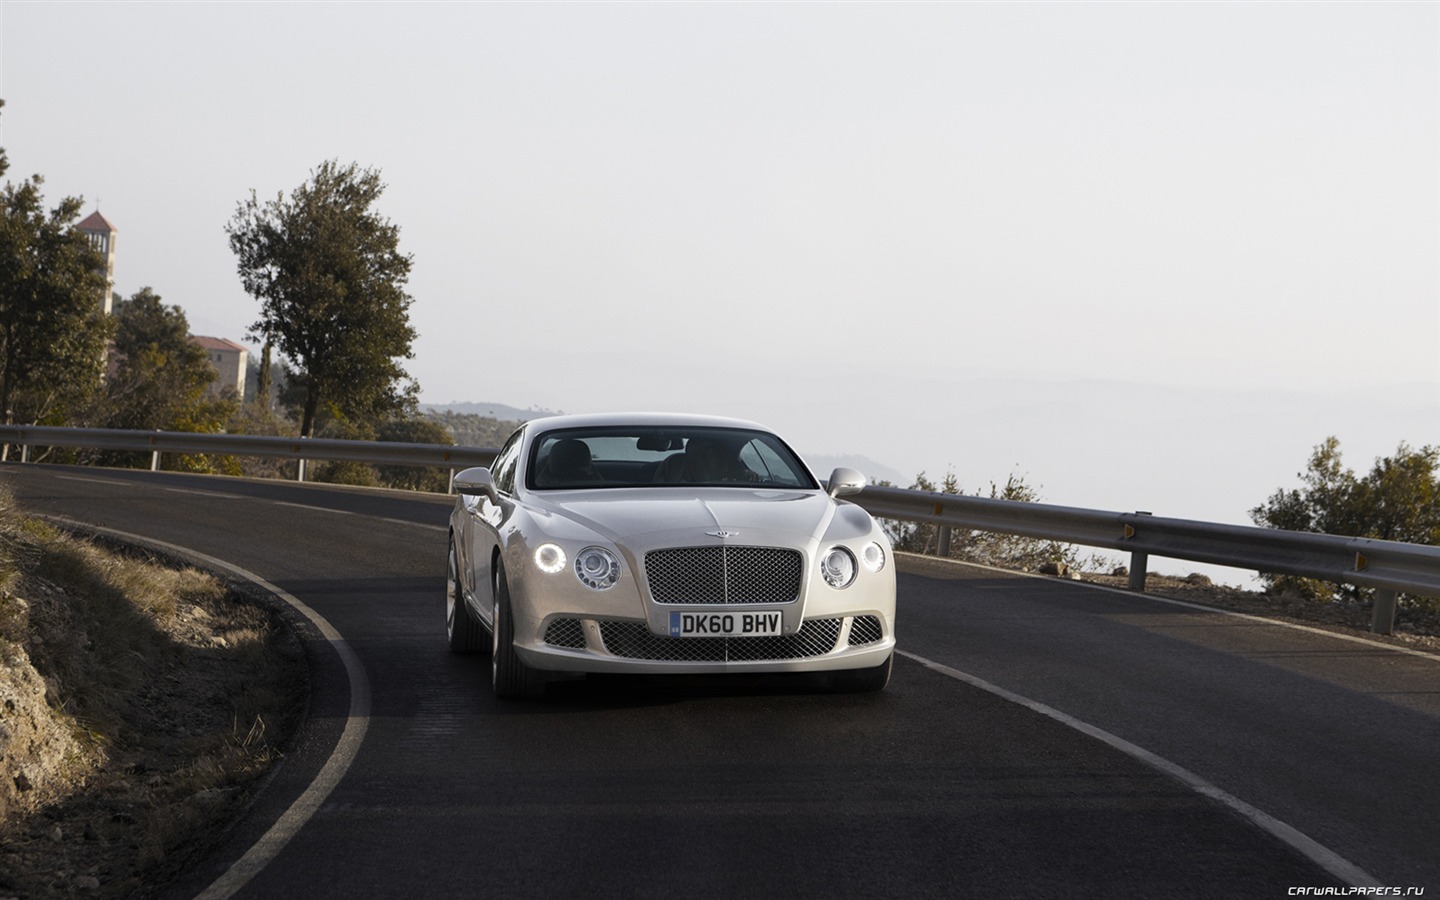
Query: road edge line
(1313,850)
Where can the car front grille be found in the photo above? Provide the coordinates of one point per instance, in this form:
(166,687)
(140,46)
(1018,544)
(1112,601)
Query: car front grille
(865,630)
(565,633)
(718,575)
(634,640)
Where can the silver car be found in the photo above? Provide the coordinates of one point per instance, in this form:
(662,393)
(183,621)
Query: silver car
(665,544)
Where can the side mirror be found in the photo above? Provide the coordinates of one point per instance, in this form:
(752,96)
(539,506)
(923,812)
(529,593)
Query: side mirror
(476,482)
(844,482)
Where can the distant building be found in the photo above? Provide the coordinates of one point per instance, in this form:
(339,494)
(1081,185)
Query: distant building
(229,360)
(102,237)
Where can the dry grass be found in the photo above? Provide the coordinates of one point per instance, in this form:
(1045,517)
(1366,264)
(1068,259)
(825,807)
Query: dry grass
(139,703)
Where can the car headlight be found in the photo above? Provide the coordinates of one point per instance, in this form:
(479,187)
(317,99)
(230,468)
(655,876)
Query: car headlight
(549,558)
(597,568)
(838,567)
(873,557)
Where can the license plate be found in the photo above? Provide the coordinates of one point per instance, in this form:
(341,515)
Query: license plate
(726,624)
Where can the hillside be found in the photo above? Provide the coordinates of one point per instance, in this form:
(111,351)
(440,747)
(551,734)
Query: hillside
(489,410)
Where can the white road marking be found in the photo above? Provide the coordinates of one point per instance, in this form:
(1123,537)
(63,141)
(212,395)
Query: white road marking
(418,524)
(1323,856)
(215,494)
(109,481)
(338,512)
(357,722)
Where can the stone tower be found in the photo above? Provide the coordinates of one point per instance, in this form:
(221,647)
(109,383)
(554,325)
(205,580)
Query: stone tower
(102,238)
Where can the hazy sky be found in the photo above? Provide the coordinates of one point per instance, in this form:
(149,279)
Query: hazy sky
(991,236)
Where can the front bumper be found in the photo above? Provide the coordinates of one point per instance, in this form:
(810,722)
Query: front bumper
(572,644)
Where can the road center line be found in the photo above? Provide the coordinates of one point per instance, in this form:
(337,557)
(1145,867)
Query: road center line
(357,721)
(212,494)
(1323,856)
(329,509)
(112,482)
(417,524)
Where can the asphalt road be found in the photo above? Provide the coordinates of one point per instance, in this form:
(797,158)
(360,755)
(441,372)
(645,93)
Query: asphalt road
(939,786)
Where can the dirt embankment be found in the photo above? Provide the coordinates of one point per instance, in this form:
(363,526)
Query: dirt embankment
(139,705)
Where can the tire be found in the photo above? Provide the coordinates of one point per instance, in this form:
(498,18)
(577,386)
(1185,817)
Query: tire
(465,634)
(511,677)
(863,681)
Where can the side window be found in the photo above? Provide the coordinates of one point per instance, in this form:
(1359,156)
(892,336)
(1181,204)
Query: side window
(503,469)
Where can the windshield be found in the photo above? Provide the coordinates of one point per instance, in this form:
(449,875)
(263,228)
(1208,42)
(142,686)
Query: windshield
(618,456)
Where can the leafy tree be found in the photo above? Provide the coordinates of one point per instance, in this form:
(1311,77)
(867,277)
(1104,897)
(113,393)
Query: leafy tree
(161,378)
(415,430)
(918,537)
(1013,551)
(1398,500)
(472,430)
(330,279)
(987,548)
(256,418)
(52,329)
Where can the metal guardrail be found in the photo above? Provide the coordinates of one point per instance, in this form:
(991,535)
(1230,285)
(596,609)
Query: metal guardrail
(1388,566)
(299,449)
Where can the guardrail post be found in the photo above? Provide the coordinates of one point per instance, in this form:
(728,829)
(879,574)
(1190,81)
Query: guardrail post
(154,460)
(943,543)
(301,476)
(1382,614)
(1138,563)
(24,453)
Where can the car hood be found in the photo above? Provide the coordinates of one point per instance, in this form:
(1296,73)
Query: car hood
(645,518)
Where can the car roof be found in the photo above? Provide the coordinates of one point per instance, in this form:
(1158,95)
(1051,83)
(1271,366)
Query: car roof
(650,419)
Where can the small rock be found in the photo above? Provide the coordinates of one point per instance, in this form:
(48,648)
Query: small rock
(1054,568)
(87,883)
(56,834)
(1198,579)
(1121,571)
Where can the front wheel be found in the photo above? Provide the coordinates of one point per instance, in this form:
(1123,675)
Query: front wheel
(464,633)
(511,677)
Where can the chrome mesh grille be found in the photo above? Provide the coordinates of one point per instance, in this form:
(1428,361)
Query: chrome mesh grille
(718,575)
(633,640)
(565,633)
(865,630)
